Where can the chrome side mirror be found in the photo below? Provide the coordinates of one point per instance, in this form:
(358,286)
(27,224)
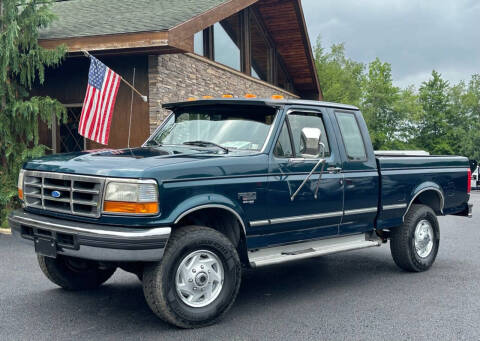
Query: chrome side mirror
(311,140)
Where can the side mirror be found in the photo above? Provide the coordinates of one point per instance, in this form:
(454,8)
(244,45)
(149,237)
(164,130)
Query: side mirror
(310,138)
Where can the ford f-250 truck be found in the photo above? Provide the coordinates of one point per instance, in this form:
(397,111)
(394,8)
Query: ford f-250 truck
(229,183)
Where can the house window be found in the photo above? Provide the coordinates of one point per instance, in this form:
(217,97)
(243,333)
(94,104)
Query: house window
(260,50)
(227,41)
(198,43)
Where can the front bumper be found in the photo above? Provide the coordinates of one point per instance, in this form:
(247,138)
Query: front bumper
(91,241)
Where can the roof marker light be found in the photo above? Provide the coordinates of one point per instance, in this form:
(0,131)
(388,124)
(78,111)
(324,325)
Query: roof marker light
(191,99)
(277,97)
(207,97)
(250,96)
(227,96)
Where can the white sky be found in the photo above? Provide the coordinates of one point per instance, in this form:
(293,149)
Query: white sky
(415,36)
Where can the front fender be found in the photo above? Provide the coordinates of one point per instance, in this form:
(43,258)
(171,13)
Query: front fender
(212,200)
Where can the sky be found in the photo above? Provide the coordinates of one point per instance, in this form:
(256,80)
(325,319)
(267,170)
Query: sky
(415,36)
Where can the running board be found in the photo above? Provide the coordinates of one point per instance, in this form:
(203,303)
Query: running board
(285,253)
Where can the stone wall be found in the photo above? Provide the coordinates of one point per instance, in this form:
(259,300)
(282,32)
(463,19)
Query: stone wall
(175,77)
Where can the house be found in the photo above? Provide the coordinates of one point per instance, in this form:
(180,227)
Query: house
(175,49)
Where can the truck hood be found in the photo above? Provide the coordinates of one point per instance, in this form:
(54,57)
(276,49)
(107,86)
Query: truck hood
(131,162)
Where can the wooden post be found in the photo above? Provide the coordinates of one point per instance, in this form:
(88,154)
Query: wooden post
(245,45)
(208,47)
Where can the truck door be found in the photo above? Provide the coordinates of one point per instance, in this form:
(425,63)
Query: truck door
(305,216)
(359,168)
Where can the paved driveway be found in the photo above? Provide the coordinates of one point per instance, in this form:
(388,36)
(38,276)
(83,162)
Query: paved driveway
(356,295)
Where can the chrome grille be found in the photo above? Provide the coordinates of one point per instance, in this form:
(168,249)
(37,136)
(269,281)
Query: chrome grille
(65,193)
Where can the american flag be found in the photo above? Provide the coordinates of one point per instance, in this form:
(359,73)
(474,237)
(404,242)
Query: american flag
(99,101)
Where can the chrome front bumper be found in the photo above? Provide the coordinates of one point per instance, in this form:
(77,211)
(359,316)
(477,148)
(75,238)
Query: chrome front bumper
(91,241)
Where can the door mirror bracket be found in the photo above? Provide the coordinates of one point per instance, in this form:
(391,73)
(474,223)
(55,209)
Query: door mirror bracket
(313,147)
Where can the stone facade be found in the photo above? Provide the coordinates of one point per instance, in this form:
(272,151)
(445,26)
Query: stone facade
(175,77)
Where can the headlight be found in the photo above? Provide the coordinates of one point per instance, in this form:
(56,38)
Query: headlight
(20,184)
(132,197)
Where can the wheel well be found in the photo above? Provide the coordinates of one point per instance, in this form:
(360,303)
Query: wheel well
(431,198)
(222,221)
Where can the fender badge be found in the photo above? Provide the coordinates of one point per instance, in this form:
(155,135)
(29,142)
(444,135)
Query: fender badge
(248,197)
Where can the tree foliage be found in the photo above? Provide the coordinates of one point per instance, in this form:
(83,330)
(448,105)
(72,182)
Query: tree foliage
(22,65)
(341,77)
(438,117)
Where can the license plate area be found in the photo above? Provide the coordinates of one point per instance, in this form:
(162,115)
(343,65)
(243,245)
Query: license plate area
(46,247)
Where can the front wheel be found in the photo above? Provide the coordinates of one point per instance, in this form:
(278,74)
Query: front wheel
(414,245)
(197,280)
(74,273)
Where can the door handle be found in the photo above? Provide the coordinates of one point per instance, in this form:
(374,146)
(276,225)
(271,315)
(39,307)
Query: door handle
(334,169)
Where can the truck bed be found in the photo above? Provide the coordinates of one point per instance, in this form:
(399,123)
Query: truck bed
(403,179)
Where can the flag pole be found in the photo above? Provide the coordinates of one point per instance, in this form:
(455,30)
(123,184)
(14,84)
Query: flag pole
(131,110)
(144,98)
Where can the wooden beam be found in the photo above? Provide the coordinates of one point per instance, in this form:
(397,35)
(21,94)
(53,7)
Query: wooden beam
(206,19)
(110,41)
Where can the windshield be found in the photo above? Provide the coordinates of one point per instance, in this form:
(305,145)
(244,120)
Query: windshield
(227,128)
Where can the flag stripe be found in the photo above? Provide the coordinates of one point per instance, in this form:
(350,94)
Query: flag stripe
(91,114)
(85,109)
(106,127)
(99,102)
(105,100)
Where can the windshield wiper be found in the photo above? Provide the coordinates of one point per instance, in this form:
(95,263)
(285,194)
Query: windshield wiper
(205,144)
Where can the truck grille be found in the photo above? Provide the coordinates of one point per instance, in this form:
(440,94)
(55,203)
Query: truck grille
(65,193)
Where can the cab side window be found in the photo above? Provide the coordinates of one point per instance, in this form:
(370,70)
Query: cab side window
(352,137)
(283,147)
(298,121)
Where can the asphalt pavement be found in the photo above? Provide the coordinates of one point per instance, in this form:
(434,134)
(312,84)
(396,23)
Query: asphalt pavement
(359,295)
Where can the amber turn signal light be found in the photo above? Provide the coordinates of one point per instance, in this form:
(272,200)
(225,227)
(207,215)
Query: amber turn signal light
(130,207)
(20,194)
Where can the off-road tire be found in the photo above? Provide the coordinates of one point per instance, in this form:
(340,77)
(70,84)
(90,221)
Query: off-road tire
(61,272)
(159,278)
(402,245)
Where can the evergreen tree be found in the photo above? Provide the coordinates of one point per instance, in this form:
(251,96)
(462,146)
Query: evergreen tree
(22,64)
(435,122)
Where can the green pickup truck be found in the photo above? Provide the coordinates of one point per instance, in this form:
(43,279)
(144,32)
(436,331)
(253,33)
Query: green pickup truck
(226,184)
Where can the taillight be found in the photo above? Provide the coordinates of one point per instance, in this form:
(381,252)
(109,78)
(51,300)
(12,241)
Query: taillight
(469,185)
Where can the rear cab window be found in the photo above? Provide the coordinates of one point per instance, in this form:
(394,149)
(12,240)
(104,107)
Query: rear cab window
(351,136)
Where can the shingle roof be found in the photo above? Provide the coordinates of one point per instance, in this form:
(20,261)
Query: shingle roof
(79,18)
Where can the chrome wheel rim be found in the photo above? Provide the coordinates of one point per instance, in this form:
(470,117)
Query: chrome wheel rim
(199,278)
(423,238)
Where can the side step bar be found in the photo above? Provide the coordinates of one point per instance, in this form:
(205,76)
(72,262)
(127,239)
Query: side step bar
(285,253)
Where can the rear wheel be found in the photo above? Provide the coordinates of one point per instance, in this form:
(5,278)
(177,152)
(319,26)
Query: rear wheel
(197,280)
(74,273)
(414,245)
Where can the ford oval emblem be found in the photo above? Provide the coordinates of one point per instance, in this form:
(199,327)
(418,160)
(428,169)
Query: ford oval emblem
(56,194)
